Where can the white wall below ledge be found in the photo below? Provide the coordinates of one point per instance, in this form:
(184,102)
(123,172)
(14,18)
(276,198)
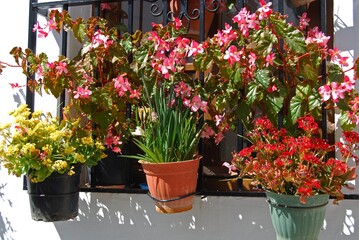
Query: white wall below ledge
(110,216)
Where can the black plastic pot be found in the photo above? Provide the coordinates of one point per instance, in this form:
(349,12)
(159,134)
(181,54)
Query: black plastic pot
(112,170)
(56,198)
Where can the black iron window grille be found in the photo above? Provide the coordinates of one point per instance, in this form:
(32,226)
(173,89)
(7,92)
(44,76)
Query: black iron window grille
(202,18)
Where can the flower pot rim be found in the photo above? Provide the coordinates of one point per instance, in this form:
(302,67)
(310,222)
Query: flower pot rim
(197,158)
(292,201)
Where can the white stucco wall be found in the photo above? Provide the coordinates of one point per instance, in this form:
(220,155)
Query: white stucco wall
(110,216)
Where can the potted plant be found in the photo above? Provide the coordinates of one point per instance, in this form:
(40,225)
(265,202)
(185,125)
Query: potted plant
(267,68)
(50,153)
(99,82)
(170,116)
(296,173)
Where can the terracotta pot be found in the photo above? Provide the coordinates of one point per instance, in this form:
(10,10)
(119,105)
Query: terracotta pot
(172,185)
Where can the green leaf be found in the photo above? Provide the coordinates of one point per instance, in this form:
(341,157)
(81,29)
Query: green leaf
(252,93)
(309,72)
(291,36)
(274,103)
(345,122)
(335,73)
(296,109)
(263,78)
(79,30)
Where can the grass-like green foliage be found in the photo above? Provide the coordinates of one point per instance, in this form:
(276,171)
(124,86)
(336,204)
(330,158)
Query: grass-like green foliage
(171,131)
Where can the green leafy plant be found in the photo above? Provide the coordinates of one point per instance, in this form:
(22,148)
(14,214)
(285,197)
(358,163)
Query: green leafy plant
(262,65)
(99,81)
(171,109)
(38,144)
(171,130)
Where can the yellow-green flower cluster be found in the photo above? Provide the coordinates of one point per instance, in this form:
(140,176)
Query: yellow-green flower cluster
(38,144)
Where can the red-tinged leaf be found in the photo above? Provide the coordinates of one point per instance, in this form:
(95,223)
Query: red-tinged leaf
(356,68)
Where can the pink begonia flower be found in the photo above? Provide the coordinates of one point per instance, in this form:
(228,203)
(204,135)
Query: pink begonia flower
(197,104)
(39,72)
(178,23)
(36,27)
(265,11)
(354,118)
(105,6)
(252,21)
(219,38)
(252,61)
(317,37)
(62,68)
(325,92)
(88,78)
(354,104)
(135,94)
(158,42)
(348,84)
(16,85)
(182,89)
(232,55)
(50,65)
(343,61)
(270,59)
(337,91)
(246,21)
(272,88)
(207,132)
(122,85)
(42,33)
(50,25)
(112,142)
(194,49)
(231,168)
(186,102)
(82,93)
(334,54)
(219,137)
(303,21)
(218,119)
(100,39)
(334,91)
(241,17)
(182,43)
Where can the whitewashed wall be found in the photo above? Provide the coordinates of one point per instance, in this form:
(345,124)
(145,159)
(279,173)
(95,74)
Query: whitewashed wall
(110,216)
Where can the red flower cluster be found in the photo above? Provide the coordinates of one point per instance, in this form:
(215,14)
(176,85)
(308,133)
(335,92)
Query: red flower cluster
(296,165)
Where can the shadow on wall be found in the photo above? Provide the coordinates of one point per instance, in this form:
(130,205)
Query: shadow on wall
(5,225)
(133,216)
(345,36)
(110,216)
(19,97)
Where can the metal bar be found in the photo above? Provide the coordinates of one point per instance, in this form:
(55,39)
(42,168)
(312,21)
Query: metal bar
(70,3)
(281,6)
(240,4)
(201,20)
(130,16)
(165,11)
(30,95)
(62,98)
(323,25)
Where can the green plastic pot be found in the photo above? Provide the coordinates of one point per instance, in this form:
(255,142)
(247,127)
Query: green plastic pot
(293,220)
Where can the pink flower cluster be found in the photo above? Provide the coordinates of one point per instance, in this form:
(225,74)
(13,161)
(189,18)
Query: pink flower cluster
(171,53)
(44,31)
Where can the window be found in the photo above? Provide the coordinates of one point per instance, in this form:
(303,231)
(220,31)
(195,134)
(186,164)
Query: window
(125,175)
